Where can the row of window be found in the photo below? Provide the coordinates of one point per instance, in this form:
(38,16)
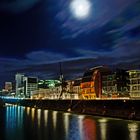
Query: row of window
(134,75)
(137,81)
(106,83)
(134,88)
(108,77)
(135,94)
(110,89)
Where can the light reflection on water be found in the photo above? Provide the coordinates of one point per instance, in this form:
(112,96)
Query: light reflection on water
(75,127)
(54,117)
(45,117)
(38,117)
(133,128)
(31,123)
(66,122)
(103,127)
(33,113)
(89,129)
(14,121)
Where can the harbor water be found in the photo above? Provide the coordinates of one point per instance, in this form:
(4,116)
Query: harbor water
(26,123)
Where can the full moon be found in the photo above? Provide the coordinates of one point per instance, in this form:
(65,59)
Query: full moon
(80,8)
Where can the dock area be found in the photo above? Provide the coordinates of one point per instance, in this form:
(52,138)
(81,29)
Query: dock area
(118,108)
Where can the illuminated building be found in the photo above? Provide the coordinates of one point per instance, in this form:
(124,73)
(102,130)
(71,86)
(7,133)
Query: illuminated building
(8,86)
(73,88)
(109,86)
(51,86)
(122,81)
(25,85)
(43,84)
(52,89)
(134,76)
(70,86)
(47,89)
(30,84)
(19,84)
(91,85)
(115,84)
(76,86)
(41,93)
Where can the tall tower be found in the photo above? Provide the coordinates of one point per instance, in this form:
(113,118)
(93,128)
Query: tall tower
(19,84)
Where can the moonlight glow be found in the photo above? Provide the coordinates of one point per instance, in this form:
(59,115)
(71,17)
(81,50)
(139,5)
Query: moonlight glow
(80,8)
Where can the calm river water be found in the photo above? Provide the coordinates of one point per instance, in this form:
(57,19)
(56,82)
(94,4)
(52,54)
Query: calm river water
(25,123)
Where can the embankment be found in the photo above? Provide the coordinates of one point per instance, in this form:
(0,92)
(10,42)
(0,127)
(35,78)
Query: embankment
(127,109)
(1,103)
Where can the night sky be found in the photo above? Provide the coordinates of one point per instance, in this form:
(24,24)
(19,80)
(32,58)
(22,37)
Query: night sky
(37,34)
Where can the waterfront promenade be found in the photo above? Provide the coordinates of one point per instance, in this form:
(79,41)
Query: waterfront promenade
(118,108)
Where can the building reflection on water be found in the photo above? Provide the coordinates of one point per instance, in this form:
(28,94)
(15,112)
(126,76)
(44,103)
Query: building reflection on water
(14,121)
(133,128)
(31,123)
(38,117)
(45,117)
(103,128)
(74,129)
(89,129)
(54,117)
(66,122)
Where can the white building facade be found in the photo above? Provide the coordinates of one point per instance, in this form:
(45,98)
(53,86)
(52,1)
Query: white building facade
(134,77)
(25,85)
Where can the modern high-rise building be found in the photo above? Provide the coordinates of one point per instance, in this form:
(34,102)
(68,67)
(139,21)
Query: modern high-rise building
(19,84)
(25,85)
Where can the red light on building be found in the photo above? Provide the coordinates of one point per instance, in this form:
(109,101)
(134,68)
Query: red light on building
(91,85)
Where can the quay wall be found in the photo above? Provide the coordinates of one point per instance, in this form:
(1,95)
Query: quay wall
(126,109)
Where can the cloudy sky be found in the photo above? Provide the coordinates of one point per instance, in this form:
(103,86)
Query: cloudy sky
(35,35)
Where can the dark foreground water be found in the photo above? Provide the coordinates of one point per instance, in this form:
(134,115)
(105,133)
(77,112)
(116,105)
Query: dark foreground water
(25,123)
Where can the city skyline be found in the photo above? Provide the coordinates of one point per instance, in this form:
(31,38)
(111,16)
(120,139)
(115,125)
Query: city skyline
(36,35)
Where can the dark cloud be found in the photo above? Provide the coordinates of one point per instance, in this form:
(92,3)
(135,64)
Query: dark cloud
(16,6)
(35,38)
